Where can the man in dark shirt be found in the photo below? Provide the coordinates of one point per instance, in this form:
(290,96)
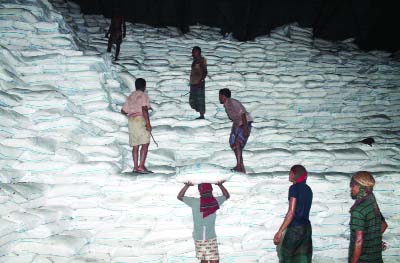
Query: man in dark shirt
(367,223)
(296,245)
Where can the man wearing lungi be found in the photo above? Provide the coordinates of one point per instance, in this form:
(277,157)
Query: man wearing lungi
(241,126)
(197,82)
(203,212)
(295,245)
(367,223)
(137,108)
(115,33)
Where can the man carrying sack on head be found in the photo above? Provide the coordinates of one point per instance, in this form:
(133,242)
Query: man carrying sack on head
(204,215)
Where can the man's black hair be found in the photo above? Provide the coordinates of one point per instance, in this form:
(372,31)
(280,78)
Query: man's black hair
(140,84)
(117,10)
(226,92)
(197,48)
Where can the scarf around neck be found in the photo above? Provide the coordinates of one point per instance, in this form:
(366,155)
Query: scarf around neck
(208,203)
(360,200)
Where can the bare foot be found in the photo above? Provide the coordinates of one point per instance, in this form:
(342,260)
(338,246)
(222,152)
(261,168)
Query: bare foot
(142,169)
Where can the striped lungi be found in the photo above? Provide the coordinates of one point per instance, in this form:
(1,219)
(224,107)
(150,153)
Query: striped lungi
(297,245)
(197,97)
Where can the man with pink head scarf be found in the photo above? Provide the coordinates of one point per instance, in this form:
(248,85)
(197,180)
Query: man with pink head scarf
(204,216)
(294,237)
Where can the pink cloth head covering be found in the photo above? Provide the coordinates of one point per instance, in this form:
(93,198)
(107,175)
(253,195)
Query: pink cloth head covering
(300,173)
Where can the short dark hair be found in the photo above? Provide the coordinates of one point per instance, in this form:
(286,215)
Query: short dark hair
(197,48)
(140,84)
(226,92)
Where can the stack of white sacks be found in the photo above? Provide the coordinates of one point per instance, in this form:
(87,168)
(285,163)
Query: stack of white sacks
(64,145)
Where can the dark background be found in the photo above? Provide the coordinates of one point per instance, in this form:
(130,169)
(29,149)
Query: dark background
(373,23)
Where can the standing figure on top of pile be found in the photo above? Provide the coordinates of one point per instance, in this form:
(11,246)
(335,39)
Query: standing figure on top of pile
(204,215)
(198,82)
(367,223)
(241,126)
(295,244)
(116,32)
(137,108)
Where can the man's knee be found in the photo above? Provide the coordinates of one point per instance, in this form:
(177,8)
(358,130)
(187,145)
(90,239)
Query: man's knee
(237,145)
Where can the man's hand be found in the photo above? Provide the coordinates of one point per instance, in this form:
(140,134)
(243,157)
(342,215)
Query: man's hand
(277,238)
(384,246)
(148,127)
(245,131)
(219,183)
(189,183)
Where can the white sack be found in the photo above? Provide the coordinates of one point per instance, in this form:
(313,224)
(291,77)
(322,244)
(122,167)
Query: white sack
(203,173)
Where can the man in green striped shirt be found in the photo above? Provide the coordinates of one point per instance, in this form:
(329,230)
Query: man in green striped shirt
(367,223)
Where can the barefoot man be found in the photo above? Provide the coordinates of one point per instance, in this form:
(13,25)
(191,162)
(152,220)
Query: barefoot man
(137,108)
(241,126)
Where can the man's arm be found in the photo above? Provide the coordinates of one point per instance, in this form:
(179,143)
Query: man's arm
(203,69)
(145,112)
(244,123)
(288,219)
(109,30)
(183,190)
(223,189)
(357,246)
(384,225)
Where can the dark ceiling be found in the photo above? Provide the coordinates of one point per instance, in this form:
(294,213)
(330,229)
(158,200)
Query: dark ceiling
(373,23)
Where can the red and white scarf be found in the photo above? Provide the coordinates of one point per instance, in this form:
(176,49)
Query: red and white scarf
(208,203)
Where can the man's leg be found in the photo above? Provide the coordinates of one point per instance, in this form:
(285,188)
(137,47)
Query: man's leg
(192,97)
(135,157)
(202,101)
(214,261)
(233,143)
(109,46)
(237,167)
(143,155)
(204,261)
(117,51)
(239,156)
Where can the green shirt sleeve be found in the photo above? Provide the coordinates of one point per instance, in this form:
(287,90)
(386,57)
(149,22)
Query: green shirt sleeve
(189,200)
(220,199)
